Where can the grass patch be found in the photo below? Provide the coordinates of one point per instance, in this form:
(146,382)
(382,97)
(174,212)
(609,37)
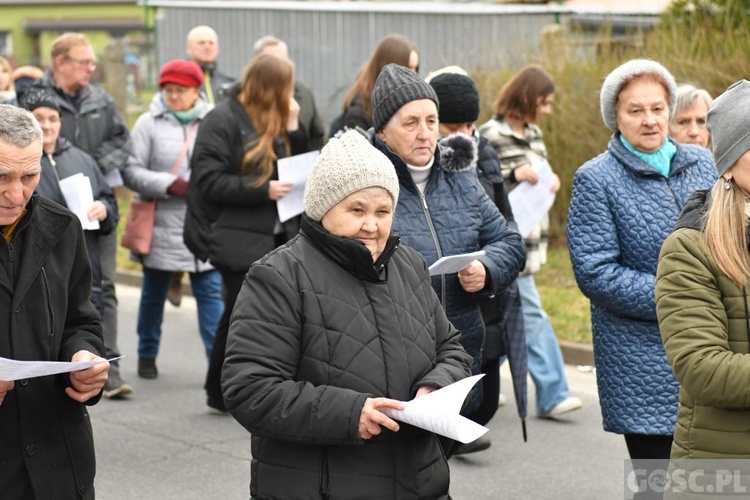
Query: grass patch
(566,306)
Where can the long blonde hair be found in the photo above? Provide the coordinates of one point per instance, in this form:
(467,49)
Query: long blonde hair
(267,90)
(725,232)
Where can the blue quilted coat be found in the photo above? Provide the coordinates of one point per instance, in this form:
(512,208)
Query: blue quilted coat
(621,211)
(456,216)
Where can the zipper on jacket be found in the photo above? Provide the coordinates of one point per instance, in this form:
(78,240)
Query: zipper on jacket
(674,196)
(324,480)
(747,315)
(50,316)
(426,209)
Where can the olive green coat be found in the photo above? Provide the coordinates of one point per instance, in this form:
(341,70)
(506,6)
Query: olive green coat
(703,319)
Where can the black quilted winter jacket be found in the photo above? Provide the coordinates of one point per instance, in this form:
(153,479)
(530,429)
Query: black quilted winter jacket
(316,330)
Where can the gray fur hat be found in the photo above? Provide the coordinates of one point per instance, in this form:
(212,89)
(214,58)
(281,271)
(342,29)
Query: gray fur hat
(345,166)
(397,85)
(729,125)
(614,81)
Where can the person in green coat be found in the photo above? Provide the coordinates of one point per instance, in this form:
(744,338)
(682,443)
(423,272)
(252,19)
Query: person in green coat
(702,299)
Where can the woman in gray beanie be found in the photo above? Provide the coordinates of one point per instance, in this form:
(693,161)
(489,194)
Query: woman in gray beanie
(625,203)
(701,295)
(442,209)
(329,330)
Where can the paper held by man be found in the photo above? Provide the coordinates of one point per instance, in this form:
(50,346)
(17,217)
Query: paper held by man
(11,369)
(438,412)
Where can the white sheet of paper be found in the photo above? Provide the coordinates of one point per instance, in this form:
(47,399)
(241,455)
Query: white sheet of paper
(114,178)
(453,263)
(11,369)
(294,169)
(438,412)
(79,197)
(531,202)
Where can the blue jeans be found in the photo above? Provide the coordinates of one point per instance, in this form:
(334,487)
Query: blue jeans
(546,365)
(207,291)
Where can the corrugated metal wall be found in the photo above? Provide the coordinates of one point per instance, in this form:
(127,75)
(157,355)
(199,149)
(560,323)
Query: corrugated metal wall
(328,46)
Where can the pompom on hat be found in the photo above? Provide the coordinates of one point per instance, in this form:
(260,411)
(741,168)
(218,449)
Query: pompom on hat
(397,85)
(729,124)
(347,165)
(181,72)
(617,78)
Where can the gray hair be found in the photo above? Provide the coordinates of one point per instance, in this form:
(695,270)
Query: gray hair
(687,95)
(202,30)
(18,127)
(266,41)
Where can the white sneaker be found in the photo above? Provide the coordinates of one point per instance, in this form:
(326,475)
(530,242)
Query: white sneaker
(565,406)
(502,400)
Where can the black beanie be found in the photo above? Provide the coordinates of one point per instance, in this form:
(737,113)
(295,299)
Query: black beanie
(38,97)
(397,85)
(459,98)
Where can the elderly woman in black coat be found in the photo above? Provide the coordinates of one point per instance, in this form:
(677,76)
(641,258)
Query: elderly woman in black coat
(331,329)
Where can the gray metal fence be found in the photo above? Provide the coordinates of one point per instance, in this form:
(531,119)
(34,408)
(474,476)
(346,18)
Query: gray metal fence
(329,41)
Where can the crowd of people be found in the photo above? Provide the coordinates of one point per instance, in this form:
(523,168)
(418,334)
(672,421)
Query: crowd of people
(316,326)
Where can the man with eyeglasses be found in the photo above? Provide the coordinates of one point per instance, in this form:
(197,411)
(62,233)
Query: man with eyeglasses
(92,123)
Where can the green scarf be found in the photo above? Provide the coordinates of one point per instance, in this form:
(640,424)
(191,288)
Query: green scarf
(660,160)
(190,114)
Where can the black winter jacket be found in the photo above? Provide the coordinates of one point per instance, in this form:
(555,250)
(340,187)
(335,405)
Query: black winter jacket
(229,221)
(46,315)
(96,126)
(69,160)
(316,330)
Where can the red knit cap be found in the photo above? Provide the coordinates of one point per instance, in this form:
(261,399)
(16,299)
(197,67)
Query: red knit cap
(181,72)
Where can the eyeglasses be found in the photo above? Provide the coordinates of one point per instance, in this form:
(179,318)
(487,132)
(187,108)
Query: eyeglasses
(89,63)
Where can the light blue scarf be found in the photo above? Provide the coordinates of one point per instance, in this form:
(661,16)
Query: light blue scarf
(660,160)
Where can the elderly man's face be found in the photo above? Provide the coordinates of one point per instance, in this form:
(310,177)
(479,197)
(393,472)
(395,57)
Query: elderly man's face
(203,48)
(73,71)
(19,175)
(412,132)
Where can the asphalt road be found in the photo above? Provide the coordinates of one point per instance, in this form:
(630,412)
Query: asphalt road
(163,443)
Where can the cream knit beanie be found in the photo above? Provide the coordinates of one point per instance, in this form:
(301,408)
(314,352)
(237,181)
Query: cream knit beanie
(614,81)
(347,165)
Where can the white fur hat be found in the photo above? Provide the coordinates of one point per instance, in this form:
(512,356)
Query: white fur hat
(345,166)
(614,81)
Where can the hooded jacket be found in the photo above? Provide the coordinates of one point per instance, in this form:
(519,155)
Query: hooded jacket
(455,216)
(69,160)
(705,326)
(316,330)
(158,139)
(621,211)
(46,315)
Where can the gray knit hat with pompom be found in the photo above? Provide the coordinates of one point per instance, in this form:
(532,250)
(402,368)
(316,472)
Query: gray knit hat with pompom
(615,80)
(345,166)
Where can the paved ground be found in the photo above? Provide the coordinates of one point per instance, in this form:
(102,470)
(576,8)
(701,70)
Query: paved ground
(163,443)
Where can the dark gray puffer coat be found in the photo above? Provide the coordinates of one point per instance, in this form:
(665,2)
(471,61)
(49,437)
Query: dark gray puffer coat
(317,329)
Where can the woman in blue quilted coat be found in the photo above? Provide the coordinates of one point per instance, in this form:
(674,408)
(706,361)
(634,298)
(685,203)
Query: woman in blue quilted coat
(332,330)
(443,209)
(625,203)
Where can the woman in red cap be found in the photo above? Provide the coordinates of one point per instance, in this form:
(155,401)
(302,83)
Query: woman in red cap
(159,169)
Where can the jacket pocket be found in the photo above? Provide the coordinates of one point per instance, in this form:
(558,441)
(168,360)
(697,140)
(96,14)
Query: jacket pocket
(79,439)
(47,298)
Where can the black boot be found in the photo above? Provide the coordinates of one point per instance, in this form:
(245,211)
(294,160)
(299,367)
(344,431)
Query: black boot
(147,368)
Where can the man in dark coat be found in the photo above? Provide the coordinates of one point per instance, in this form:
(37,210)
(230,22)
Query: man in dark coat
(46,446)
(92,123)
(309,118)
(203,48)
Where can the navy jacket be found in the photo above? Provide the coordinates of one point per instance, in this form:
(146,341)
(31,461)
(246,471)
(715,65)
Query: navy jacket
(456,216)
(621,211)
